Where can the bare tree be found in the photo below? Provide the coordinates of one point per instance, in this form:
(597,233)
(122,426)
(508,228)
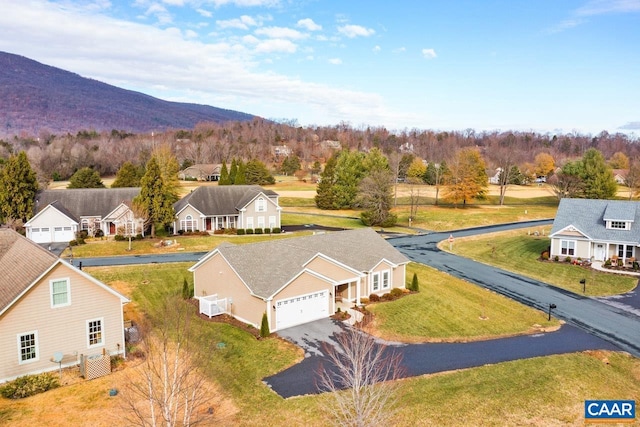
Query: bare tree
(171,390)
(361,379)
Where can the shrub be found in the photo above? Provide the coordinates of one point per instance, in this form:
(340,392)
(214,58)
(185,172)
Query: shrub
(276,230)
(396,293)
(139,236)
(556,258)
(374,298)
(620,263)
(83,234)
(364,300)
(249,231)
(545,256)
(240,231)
(186,290)
(98,233)
(29,385)
(119,238)
(73,243)
(567,259)
(219,231)
(258,231)
(413,286)
(264,326)
(607,263)
(386,297)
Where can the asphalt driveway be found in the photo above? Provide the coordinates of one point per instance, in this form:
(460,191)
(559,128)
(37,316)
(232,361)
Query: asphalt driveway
(420,359)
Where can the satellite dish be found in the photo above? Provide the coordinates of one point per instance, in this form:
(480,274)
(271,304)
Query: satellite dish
(57,357)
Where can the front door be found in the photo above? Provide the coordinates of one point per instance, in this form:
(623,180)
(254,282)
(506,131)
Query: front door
(599,253)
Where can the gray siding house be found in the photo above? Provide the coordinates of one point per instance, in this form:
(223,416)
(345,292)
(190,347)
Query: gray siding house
(596,230)
(211,208)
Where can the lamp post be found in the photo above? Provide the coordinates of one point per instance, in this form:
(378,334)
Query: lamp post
(551,306)
(583,282)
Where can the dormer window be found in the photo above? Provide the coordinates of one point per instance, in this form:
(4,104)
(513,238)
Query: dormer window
(261,205)
(619,225)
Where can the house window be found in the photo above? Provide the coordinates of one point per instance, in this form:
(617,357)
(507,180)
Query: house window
(376,281)
(568,247)
(94,333)
(250,222)
(219,223)
(232,222)
(60,293)
(260,222)
(28,347)
(272,221)
(261,205)
(385,279)
(620,225)
(625,251)
(85,224)
(188,223)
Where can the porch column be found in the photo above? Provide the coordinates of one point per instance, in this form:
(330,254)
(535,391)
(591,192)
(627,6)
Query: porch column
(358,291)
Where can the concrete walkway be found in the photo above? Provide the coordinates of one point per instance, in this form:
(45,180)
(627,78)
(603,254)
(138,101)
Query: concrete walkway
(598,265)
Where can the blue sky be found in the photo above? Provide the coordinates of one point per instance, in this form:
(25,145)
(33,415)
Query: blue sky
(541,65)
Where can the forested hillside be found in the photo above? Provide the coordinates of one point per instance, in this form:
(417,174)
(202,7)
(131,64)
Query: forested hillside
(36,98)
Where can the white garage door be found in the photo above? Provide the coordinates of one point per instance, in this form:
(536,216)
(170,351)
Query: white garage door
(301,309)
(41,235)
(62,234)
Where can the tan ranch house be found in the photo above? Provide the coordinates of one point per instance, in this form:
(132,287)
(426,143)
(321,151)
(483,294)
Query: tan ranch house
(211,208)
(48,307)
(296,280)
(596,230)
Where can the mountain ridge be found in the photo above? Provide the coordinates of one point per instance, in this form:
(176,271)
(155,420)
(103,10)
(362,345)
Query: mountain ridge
(36,97)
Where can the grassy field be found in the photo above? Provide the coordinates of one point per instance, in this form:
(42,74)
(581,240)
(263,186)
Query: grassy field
(542,391)
(450,310)
(519,250)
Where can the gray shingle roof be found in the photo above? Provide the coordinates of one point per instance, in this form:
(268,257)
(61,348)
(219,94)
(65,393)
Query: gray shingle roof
(589,216)
(87,201)
(221,200)
(21,263)
(267,266)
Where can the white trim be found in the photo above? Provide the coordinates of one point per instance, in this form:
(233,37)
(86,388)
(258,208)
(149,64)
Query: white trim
(56,280)
(375,275)
(37,347)
(388,274)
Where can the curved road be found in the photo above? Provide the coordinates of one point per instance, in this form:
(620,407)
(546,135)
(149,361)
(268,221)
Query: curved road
(612,323)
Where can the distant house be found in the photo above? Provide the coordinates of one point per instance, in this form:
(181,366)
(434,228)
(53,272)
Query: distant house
(202,172)
(59,214)
(620,175)
(297,280)
(494,176)
(596,229)
(281,151)
(49,307)
(227,206)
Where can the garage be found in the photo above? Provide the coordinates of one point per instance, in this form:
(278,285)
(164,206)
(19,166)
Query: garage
(41,235)
(302,309)
(62,234)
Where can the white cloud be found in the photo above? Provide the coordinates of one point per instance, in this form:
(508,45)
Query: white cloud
(242,23)
(429,53)
(250,39)
(335,61)
(160,12)
(353,31)
(309,25)
(600,7)
(281,33)
(204,13)
(246,3)
(376,49)
(174,2)
(276,45)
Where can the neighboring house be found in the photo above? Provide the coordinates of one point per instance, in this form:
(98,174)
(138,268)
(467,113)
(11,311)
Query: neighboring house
(297,280)
(620,175)
(281,151)
(227,206)
(596,229)
(494,176)
(48,306)
(202,172)
(59,214)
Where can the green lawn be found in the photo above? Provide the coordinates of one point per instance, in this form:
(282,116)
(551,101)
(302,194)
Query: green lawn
(542,391)
(519,250)
(450,309)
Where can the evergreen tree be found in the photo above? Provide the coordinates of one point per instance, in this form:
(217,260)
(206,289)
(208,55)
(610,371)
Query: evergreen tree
(414,286)
(257,173)
(233,172)
(154,200)
(375,196)
(349,173)
(224,175)
(264,326)
(128,176)
(290,165)
(597,176)
(18,188)
(85,178)
(241,175)
(325,197)
(375,161)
